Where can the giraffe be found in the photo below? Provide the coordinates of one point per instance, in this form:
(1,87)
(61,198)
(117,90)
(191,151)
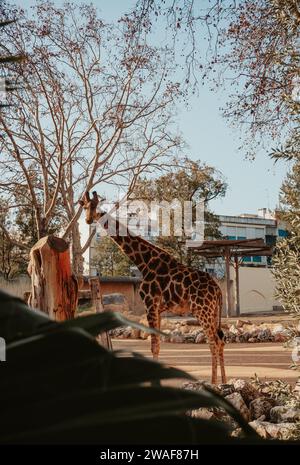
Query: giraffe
(170,285)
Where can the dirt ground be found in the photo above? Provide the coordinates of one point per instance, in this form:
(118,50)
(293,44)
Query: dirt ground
(267,360)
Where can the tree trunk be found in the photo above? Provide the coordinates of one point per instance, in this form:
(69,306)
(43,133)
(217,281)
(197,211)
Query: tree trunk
(54,288)
(77,258)
(95,286)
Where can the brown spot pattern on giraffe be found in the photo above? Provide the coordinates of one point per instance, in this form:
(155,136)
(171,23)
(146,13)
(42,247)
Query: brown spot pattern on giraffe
(170,285)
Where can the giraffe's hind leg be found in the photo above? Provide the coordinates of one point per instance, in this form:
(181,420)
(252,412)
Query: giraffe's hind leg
(214,359)
(221,344)
(153,317)
(202,315)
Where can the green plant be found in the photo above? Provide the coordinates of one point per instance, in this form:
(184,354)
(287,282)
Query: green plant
(61,386)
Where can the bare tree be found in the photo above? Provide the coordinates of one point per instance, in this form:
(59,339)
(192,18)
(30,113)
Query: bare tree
(95,107)
(251,48)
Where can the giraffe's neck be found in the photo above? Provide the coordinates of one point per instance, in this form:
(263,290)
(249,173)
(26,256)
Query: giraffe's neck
(137,249)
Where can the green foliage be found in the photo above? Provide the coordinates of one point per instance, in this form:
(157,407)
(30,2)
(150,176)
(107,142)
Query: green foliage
(109,260)
(75,391)
(189,181)
(286,259)
(13,260)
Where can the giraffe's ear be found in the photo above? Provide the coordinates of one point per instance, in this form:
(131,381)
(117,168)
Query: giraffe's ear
(95,196)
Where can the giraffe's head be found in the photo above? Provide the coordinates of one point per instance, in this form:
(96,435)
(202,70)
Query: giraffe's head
(90,207)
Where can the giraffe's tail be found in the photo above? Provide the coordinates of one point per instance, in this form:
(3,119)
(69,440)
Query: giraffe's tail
(220,306)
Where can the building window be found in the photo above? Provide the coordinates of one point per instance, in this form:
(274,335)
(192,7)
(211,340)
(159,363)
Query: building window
(256,259)
(231,238)
(247,259)
(240,238)
(282,233)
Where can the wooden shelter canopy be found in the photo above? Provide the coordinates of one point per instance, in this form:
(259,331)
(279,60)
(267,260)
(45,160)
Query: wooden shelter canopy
(229,249)
(237,248)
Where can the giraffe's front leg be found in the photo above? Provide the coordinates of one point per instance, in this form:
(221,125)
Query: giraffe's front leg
(153,317)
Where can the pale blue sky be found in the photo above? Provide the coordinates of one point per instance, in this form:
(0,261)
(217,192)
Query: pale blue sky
(251,184)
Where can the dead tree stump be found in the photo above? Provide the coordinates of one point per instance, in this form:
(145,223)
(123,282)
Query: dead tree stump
(103,338)
(54,288)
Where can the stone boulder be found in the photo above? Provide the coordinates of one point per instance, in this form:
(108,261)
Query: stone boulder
(176,337)
(296,390)
(275,431)
(277,329)
(264,335)
(226,389)
(260,408)
(203,413)
(115,302)
(247,391)
(283,414)
(238,402)
(200,338)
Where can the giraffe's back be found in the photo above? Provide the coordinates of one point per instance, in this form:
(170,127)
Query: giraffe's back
(177,287)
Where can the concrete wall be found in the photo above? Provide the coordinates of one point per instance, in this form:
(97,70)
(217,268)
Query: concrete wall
(17,286)
(256,289)
(129,287)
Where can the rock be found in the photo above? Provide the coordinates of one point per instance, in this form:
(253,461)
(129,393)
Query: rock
(233,330)
(248,327)
(275,431)
(167,324)
(253,329)
(224,417)
(278,337)
(115,302)
(176,337)
(192,322)
(264,335)
(237,433)
(226,389)
(247,391)
(189,339)
(199,385)
(144,335)
(193,385)
(296,390)
(202,413)
(185,329)
(127,333)
(252,339)
(282,414)
(278,328)
(239,323)
(200,338)
(260,408)
(238,402)
(245,336)
(135,333)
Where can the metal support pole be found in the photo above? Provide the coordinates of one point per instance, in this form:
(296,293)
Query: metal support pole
(227,267)
(237,286)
